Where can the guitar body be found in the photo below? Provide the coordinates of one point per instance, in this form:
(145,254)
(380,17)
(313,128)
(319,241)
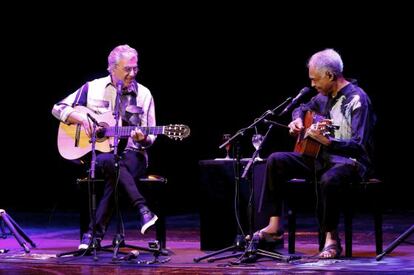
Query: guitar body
(69,134)
(306,145)
(73,143)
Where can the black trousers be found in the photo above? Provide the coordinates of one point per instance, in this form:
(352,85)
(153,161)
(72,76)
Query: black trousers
(332,179)
(132,165)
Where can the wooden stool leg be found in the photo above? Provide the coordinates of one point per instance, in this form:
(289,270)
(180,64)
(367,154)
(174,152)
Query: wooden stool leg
(348,232)
(159,207)
(378,232)
(291,230)
(377,212)
(160,230)
(155,187)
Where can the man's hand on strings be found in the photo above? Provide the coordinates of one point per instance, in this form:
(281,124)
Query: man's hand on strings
(317,132)
(137,135)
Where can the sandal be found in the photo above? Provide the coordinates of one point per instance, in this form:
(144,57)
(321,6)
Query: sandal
(334,250)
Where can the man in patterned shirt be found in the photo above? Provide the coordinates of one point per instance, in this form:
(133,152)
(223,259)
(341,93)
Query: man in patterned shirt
(136,108)
(343,157)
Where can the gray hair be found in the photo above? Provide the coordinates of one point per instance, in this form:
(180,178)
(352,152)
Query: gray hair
(328,60)
(119,52)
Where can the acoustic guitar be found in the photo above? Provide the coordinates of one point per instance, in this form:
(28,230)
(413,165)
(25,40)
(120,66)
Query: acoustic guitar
(73,143)
(305,144)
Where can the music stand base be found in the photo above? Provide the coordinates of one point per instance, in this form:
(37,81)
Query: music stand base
(18,233)
(252,253)
(93,247)
(119,242)
(396,242)
(239,245)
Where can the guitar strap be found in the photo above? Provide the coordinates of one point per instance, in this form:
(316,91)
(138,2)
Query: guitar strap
(81,96)
(130,111)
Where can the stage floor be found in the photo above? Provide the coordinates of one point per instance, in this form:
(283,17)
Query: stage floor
(57,232)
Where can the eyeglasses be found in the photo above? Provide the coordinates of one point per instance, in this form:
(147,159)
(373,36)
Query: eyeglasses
(131,69)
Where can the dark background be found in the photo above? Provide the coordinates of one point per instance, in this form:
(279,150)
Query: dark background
(215,70)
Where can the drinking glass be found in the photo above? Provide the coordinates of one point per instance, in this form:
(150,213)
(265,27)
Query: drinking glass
(225,138)
(257,139)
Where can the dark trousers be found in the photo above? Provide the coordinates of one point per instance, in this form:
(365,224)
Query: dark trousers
(132,165)
(331,179)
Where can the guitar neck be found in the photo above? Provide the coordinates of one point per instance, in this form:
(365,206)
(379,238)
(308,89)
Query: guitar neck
(125,131)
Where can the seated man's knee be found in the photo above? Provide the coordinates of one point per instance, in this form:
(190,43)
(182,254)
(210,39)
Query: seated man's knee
(329,180)
(278,156)
(279,160)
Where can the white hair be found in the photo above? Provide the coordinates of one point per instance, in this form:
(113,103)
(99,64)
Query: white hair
(328,60)
(119,52)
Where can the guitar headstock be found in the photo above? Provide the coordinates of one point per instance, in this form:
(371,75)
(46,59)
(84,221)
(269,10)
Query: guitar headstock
(177,131)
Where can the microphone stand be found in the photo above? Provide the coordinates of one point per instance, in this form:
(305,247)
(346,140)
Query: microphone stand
(252,250)
(244,176)
(94,245)
(119,239)
(240,240)
(91,188)
(256,121)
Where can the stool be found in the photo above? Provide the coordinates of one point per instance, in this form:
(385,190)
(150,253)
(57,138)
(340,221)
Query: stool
(373,186)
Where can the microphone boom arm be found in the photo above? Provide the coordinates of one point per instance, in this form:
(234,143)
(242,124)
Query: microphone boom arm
(255,122)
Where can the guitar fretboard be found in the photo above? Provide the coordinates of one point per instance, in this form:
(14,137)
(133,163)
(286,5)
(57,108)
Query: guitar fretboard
(125,131)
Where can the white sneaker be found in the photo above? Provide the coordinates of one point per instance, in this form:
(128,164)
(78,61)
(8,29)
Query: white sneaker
(148,219)
(85,242)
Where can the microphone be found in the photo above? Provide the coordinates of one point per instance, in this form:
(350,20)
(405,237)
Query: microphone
(301,93)
(133,254)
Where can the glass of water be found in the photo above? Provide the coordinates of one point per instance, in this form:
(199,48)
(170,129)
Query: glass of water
(257,139)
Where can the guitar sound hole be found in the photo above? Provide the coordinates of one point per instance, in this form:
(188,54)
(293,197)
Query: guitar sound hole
(100,133)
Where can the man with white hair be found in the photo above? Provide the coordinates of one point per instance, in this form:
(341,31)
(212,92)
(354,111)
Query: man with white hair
(343,137)
(136,108)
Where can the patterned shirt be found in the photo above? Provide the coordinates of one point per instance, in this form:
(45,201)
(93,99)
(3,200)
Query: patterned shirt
(99,95)
(352,112)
